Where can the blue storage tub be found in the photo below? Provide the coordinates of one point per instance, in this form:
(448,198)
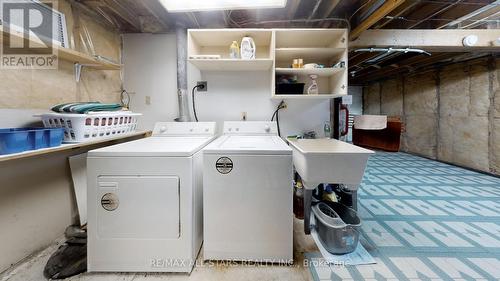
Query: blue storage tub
(14,140)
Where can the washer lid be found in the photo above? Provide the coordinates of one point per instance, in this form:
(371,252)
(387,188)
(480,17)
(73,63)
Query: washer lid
(155,146)
(236,144)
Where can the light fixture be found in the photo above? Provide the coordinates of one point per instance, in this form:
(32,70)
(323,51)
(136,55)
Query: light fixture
(470,40)
(176,6)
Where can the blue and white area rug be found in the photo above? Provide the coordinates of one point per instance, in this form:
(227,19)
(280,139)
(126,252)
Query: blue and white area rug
(424,220)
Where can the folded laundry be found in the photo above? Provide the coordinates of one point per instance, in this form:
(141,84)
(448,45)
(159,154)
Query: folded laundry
(84,107)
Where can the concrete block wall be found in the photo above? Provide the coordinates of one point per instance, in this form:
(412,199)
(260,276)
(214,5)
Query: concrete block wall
(450,114)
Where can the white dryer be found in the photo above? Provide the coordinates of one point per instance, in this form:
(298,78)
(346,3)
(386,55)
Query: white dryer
(247,195)
(145,201)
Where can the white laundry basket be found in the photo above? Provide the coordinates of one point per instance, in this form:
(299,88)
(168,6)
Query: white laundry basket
(93,125)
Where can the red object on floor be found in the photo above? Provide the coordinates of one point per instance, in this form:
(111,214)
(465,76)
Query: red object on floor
(387,139)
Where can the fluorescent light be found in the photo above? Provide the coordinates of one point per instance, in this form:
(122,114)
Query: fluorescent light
(209,5)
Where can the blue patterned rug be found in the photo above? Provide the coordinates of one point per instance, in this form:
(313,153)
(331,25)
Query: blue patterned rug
(424,220)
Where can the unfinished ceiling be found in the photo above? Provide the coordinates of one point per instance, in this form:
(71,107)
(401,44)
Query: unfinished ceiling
(130,16)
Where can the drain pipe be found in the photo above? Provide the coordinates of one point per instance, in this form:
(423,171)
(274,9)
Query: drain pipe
(182,96)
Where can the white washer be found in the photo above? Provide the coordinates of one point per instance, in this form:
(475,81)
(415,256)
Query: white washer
(145,201)
(247,195)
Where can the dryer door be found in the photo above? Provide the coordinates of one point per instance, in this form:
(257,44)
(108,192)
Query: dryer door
(138,207)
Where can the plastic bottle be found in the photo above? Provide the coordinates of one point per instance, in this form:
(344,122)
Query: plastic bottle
(234,50)
(329,195)
(313,88)
(327,130)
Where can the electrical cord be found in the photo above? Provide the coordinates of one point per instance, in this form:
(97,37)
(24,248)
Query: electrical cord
(281,105)
(193,101)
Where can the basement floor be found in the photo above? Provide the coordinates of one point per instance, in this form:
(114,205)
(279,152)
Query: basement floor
(422,220)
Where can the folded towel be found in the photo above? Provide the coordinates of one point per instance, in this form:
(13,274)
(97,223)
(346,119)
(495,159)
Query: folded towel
(370,122)
(84,107)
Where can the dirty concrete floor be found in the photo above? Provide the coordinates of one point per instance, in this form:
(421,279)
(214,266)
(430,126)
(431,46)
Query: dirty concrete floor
(32,268)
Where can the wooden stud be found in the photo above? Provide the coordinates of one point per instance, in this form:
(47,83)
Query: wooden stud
(381,12)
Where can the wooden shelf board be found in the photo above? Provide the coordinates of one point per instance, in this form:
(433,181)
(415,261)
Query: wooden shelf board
(69,146)
(322,72)
(310,37)
(66,53)
(232,64)
(224,37)
(306,97)
(308,54)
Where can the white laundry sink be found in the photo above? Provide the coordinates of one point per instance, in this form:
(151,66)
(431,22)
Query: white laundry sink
(329,161)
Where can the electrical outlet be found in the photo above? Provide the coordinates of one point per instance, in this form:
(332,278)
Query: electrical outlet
(203,86)
(148,100)
(243,116)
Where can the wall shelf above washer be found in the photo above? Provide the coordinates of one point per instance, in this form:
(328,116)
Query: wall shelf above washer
(305,96)
(322,72)
(232,64)
(309,54)
(275,51)
(65,54)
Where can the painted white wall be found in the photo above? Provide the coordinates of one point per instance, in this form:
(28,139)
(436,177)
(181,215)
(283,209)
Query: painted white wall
(150,70)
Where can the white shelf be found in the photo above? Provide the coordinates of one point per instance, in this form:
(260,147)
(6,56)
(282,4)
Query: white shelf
(305,96)
(275,51)
(321,72)
(232,64)
(311,37)
(308,54)
(70,146)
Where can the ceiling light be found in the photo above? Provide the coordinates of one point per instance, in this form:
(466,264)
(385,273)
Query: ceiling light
(210,5)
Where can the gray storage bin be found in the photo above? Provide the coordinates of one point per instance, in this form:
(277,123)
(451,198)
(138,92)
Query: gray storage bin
(338,227)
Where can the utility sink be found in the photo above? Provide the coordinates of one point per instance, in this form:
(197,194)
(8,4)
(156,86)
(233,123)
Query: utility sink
(329,161)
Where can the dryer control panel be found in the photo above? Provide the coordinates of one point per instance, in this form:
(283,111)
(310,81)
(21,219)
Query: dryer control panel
(250,128)
(184,128)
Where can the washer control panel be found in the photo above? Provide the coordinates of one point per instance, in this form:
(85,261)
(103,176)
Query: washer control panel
(250,128)
(184,128)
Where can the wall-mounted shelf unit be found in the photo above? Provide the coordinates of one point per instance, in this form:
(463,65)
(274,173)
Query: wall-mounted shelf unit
(72,146)
(232,64)
(276,49)
(322,72)
(66,54)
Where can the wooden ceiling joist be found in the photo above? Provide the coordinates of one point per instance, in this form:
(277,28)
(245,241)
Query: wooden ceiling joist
(124,12)
(428,39)
(381,12)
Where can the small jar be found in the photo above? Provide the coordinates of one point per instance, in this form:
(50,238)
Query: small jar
(300,63)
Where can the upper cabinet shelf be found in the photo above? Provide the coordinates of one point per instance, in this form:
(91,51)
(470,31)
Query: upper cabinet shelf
(275,51)
(66,53)
(232,64)
(217,41)
(321,72)
(318,54)
(311,38)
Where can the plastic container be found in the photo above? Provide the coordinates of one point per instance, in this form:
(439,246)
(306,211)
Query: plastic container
(92,126)
(15,140)
(338,227)
(290,88)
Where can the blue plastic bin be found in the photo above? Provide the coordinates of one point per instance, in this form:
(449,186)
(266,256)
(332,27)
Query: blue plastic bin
(14,140)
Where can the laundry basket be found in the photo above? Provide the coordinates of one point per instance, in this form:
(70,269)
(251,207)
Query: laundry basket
(338,227)
(93,125)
